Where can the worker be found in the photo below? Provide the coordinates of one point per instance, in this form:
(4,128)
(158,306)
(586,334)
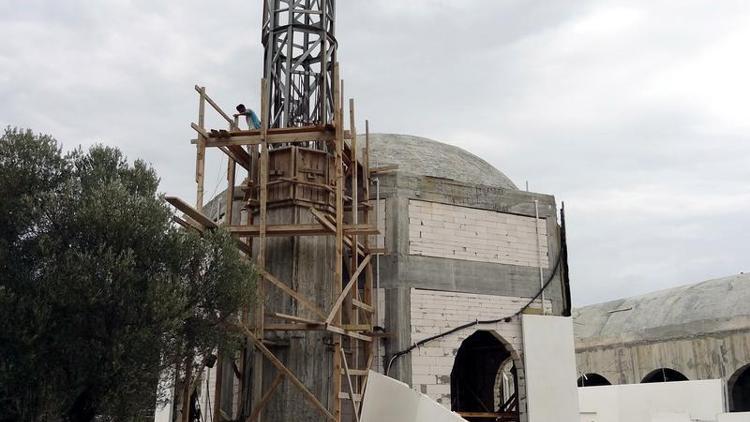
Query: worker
(252,119)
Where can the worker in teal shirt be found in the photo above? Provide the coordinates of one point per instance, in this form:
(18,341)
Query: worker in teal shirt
(253,122)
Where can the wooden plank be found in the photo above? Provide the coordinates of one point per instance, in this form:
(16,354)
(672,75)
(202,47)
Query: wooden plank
(201,131)
(294,318)
(365,307)
(348,307)
(299,230)
(352,334)
(352,281)
(288,290)
(237,154)
(293,327)
(191,212)
(332,227)
(266,398)
(351,387)
(306,183)
(357,327)
(275,136)
(257,386)
(188,224)
(228,214)
(306,393)
(345,396)
(213,104)
(383,169)
(358,372)
(200,161)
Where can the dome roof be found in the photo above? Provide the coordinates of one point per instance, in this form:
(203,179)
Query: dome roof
(720,299)
(425,157)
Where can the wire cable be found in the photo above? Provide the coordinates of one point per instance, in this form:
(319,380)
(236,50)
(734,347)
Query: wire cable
(477,322)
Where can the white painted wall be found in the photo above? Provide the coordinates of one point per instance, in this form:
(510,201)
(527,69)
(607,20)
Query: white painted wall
(734,417)
(550,363)
(450,231)
(671,417)
(701,400)
(390,400)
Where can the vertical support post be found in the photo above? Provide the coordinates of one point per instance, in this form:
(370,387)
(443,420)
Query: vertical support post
(200,162)
(257,393)
(369,298)
(354,293)
(339,255)
(229,213)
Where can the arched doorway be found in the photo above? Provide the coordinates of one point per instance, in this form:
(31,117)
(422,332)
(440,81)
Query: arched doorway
(739,390)
(663,375)
(592,380)
(484,380)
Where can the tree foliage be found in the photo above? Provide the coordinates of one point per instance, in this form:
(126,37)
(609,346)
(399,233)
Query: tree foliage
(99,291)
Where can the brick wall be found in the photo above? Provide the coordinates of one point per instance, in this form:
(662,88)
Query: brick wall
(449,231)
(433,312)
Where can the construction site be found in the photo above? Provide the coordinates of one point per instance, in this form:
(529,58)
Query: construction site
(405,279)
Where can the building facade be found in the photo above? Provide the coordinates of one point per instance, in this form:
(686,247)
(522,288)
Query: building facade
(693,332)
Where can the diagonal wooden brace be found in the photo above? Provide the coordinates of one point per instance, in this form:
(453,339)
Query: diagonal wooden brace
(288,290)
(309,396)
(349,285)
(266,398)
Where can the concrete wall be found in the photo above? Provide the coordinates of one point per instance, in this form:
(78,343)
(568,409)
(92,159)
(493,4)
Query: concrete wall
(704,356)
(402,269)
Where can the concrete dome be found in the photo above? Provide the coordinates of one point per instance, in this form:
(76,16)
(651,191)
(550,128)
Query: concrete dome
(722,299)
(425,157)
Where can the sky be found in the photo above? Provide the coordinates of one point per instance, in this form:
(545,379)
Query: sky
(636,114)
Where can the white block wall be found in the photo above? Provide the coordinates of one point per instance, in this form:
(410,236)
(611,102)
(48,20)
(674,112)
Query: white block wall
(433,312)
(449,231)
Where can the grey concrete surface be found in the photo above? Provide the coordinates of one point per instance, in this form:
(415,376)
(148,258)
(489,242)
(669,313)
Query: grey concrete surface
(700,330)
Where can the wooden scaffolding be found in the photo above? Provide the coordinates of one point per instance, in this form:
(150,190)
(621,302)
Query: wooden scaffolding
(323,172)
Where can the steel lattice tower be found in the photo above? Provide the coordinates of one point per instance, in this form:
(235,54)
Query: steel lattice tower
(300,50)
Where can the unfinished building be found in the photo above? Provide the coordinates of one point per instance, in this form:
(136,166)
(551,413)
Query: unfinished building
(458,243)
(693,332)
(386,252)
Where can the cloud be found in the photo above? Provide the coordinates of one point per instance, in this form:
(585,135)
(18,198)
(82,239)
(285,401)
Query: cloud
(633,113)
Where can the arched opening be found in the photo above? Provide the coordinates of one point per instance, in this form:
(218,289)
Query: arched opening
(592,380)
(739,390)
(484,380)
(663,375)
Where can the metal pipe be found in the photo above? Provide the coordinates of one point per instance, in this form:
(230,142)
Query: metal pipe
(539,253)
(377,221)
(377,263)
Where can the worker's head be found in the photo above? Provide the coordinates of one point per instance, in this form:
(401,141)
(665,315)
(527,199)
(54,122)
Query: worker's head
(241,108)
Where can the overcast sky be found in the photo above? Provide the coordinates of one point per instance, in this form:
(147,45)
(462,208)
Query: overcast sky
(635,113)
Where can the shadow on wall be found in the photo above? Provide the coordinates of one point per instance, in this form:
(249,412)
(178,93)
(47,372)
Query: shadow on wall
(739,390)
(663,375)
(592,380)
